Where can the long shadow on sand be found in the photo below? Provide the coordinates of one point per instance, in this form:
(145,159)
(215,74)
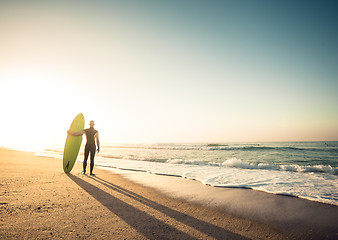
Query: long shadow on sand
(154,228)
(202,226)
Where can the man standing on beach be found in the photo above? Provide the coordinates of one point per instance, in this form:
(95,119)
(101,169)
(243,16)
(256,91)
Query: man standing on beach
(91,135)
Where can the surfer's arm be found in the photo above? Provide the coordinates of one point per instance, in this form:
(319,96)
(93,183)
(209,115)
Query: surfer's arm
(97,141)
(76,133)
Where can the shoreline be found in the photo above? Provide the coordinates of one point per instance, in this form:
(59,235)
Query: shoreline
(287,213)
(312,180)
(38,200)
(126,170)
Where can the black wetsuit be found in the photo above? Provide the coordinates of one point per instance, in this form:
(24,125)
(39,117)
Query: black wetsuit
(90,148)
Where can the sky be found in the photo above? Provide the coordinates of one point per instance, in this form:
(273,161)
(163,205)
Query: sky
(169,71)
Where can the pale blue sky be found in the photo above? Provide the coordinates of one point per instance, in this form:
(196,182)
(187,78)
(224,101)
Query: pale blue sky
(172,71)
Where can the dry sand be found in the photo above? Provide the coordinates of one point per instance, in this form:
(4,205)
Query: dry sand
(39,201)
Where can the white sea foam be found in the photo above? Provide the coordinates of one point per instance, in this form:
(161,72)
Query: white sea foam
(313,187)
(192,162)
(316,187)
(238,163)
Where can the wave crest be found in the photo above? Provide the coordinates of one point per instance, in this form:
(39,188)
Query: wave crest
(237,163)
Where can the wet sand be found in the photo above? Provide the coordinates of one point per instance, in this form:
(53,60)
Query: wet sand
(296,217)
(39,201)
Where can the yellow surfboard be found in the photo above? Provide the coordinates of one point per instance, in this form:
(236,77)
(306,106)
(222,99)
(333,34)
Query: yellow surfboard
(73,143)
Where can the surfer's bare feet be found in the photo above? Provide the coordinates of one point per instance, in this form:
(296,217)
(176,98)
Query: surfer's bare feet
(83,172)
(92,174)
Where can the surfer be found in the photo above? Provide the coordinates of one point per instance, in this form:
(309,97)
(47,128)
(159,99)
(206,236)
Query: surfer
(91,135)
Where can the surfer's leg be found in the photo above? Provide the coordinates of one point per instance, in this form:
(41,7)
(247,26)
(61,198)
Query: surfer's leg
(92,155)
(85,159)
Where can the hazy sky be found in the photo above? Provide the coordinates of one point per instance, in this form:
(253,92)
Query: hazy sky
(169,71)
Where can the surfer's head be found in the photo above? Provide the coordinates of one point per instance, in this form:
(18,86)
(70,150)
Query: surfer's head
(91,123)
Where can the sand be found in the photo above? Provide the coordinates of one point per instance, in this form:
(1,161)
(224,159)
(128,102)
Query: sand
(39,201)
(297,217)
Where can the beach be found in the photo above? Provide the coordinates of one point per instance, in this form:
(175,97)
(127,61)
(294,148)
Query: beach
(38,201)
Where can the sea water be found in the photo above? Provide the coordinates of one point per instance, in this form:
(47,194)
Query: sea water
(303,169)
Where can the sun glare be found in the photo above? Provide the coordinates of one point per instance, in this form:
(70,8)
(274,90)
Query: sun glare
(35,104)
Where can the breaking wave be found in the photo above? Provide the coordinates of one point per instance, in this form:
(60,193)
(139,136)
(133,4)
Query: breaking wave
(238,163)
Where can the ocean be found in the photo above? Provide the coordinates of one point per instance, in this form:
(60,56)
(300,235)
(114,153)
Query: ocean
(303,169)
